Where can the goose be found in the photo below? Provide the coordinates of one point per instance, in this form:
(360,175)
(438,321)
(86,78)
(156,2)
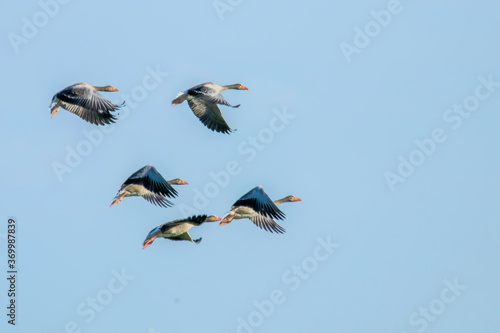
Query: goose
(203,100)
(84,100)
(178,229)
(260,209)
(148,183)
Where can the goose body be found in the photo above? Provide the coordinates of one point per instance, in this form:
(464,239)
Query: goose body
(260,209)
(178,229)
(84,100)
(148,183)
(203,100)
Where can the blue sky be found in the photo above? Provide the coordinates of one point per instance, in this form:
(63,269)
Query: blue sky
(392,148)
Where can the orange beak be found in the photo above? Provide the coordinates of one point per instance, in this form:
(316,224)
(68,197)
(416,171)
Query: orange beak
(149,242)
(227,220)
(185,182)
(298,199)
(52,114)
(118,200)
(114,89)
(243,87)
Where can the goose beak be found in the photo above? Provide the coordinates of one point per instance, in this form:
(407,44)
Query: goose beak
(53,112)
(224,222)
(148,242)
(298,199)
(119,199)
(184,182)
(243,87)
(227,218)
(114,89)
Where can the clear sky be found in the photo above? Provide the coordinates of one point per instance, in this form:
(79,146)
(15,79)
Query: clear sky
(382,116)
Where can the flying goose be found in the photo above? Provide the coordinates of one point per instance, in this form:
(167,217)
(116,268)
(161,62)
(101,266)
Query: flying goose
(148,183)
(203,100)
(178,229)
(260,209)
(84,100)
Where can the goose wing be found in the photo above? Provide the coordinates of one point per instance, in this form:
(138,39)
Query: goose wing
(267,224)
(195,220)
(209,114)
(185,236)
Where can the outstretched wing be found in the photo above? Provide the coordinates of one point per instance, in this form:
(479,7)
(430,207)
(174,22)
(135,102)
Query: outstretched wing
(195,220)
(209,114)
(260,202)
(157,199)
(185,236)
(267,224)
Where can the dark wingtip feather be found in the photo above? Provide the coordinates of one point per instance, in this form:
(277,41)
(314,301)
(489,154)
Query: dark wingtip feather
(198,219)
